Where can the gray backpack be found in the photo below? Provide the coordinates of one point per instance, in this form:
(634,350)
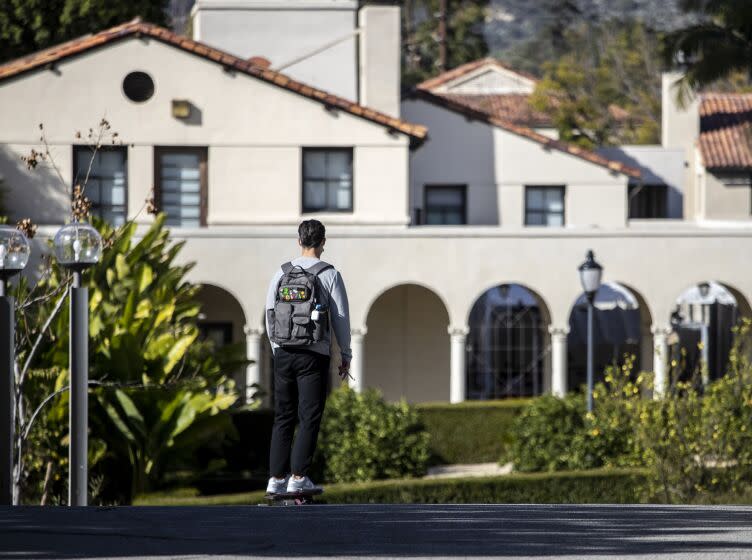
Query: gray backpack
(298,317)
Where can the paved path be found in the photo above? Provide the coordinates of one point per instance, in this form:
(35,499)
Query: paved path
(505,531)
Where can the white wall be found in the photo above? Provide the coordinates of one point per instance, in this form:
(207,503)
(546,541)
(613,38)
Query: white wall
(658,165)
(283,31)
(496,165)
(680,128)
(254,131)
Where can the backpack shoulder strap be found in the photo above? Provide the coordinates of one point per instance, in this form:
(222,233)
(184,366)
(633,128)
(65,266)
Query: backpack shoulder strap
(318,268)
(287,267)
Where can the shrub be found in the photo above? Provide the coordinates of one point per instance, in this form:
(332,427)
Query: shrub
(596,486)
(545,431)
(697,443)
(558,434)
(365,438)
(470,432)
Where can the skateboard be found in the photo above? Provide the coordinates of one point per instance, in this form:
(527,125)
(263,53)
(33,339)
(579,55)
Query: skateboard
(293,498)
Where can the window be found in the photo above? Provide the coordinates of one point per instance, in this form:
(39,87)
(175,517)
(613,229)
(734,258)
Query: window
(544,206)
(107,184)
(445,205)
(327,180)
(138,87)
(180,178)
(648,201)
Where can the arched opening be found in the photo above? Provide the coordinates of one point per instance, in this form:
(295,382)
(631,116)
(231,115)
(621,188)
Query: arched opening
(407,345)
(702,335)
(221,320)
(621,328)
(507,346)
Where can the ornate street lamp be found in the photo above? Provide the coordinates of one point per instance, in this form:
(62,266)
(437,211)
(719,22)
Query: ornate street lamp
(590,277)
(78,246)
(14,255)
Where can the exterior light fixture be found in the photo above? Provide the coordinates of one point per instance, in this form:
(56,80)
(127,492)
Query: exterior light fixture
(181,108)
(14,255)
(78,246)
(704,288)
(590,278)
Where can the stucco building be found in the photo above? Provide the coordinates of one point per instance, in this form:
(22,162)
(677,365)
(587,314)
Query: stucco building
(455,215)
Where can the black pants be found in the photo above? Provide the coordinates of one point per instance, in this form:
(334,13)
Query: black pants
(300,381)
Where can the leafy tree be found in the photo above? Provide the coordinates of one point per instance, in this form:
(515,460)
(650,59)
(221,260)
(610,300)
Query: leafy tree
(465,40)
(606,90)
(29,25)
(157,391)
(718,46)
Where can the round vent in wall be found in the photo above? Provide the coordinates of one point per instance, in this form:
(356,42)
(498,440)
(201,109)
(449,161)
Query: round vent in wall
(138,86)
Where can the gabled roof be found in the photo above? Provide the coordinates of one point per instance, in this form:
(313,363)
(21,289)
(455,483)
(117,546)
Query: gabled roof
(460,71)
(726,131)
(512,107)
(549,143)
(137,28)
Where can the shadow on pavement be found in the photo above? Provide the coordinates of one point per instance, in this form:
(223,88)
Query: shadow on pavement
(374,530)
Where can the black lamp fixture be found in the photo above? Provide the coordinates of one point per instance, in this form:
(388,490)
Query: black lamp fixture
(590,278)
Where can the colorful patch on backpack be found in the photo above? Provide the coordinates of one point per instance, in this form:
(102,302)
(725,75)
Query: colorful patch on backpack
(291,293)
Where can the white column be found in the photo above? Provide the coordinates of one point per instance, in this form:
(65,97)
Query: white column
(660,359)
(252,353)
(357,346)
(559,368)
(457,375)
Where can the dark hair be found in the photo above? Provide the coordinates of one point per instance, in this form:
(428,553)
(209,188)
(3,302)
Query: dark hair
(311,233)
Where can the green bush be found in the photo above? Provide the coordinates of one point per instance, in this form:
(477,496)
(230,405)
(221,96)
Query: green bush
(365,438)
(597,486)
(696,441)
(470,432)
(557,434)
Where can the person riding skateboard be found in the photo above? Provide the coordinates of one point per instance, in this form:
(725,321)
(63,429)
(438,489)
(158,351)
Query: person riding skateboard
(305,298)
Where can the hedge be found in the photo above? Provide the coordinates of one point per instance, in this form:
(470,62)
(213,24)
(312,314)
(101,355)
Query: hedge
(472,431)
(614,486)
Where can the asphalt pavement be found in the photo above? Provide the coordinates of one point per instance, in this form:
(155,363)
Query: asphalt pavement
(341,531)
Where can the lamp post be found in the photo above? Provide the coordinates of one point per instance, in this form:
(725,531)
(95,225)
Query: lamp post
(78,246)
(14,254)
(590,277)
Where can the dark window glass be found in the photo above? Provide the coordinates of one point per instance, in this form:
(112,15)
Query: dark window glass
(107,183)
(648,201)
(138,87)
(544,206)
(327,180)
(445,205)
(181,185)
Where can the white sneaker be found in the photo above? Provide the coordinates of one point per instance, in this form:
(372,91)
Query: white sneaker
(304,484)
(277,485)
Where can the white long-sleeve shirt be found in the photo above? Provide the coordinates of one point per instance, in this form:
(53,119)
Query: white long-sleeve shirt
(334,298)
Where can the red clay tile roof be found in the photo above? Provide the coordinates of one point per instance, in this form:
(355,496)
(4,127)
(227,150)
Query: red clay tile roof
(512,107)
(43,58)
(545,141)
(454,73)
(726,130)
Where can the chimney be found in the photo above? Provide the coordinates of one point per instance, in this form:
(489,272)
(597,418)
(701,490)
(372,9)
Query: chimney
(379,64)
(680,126)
